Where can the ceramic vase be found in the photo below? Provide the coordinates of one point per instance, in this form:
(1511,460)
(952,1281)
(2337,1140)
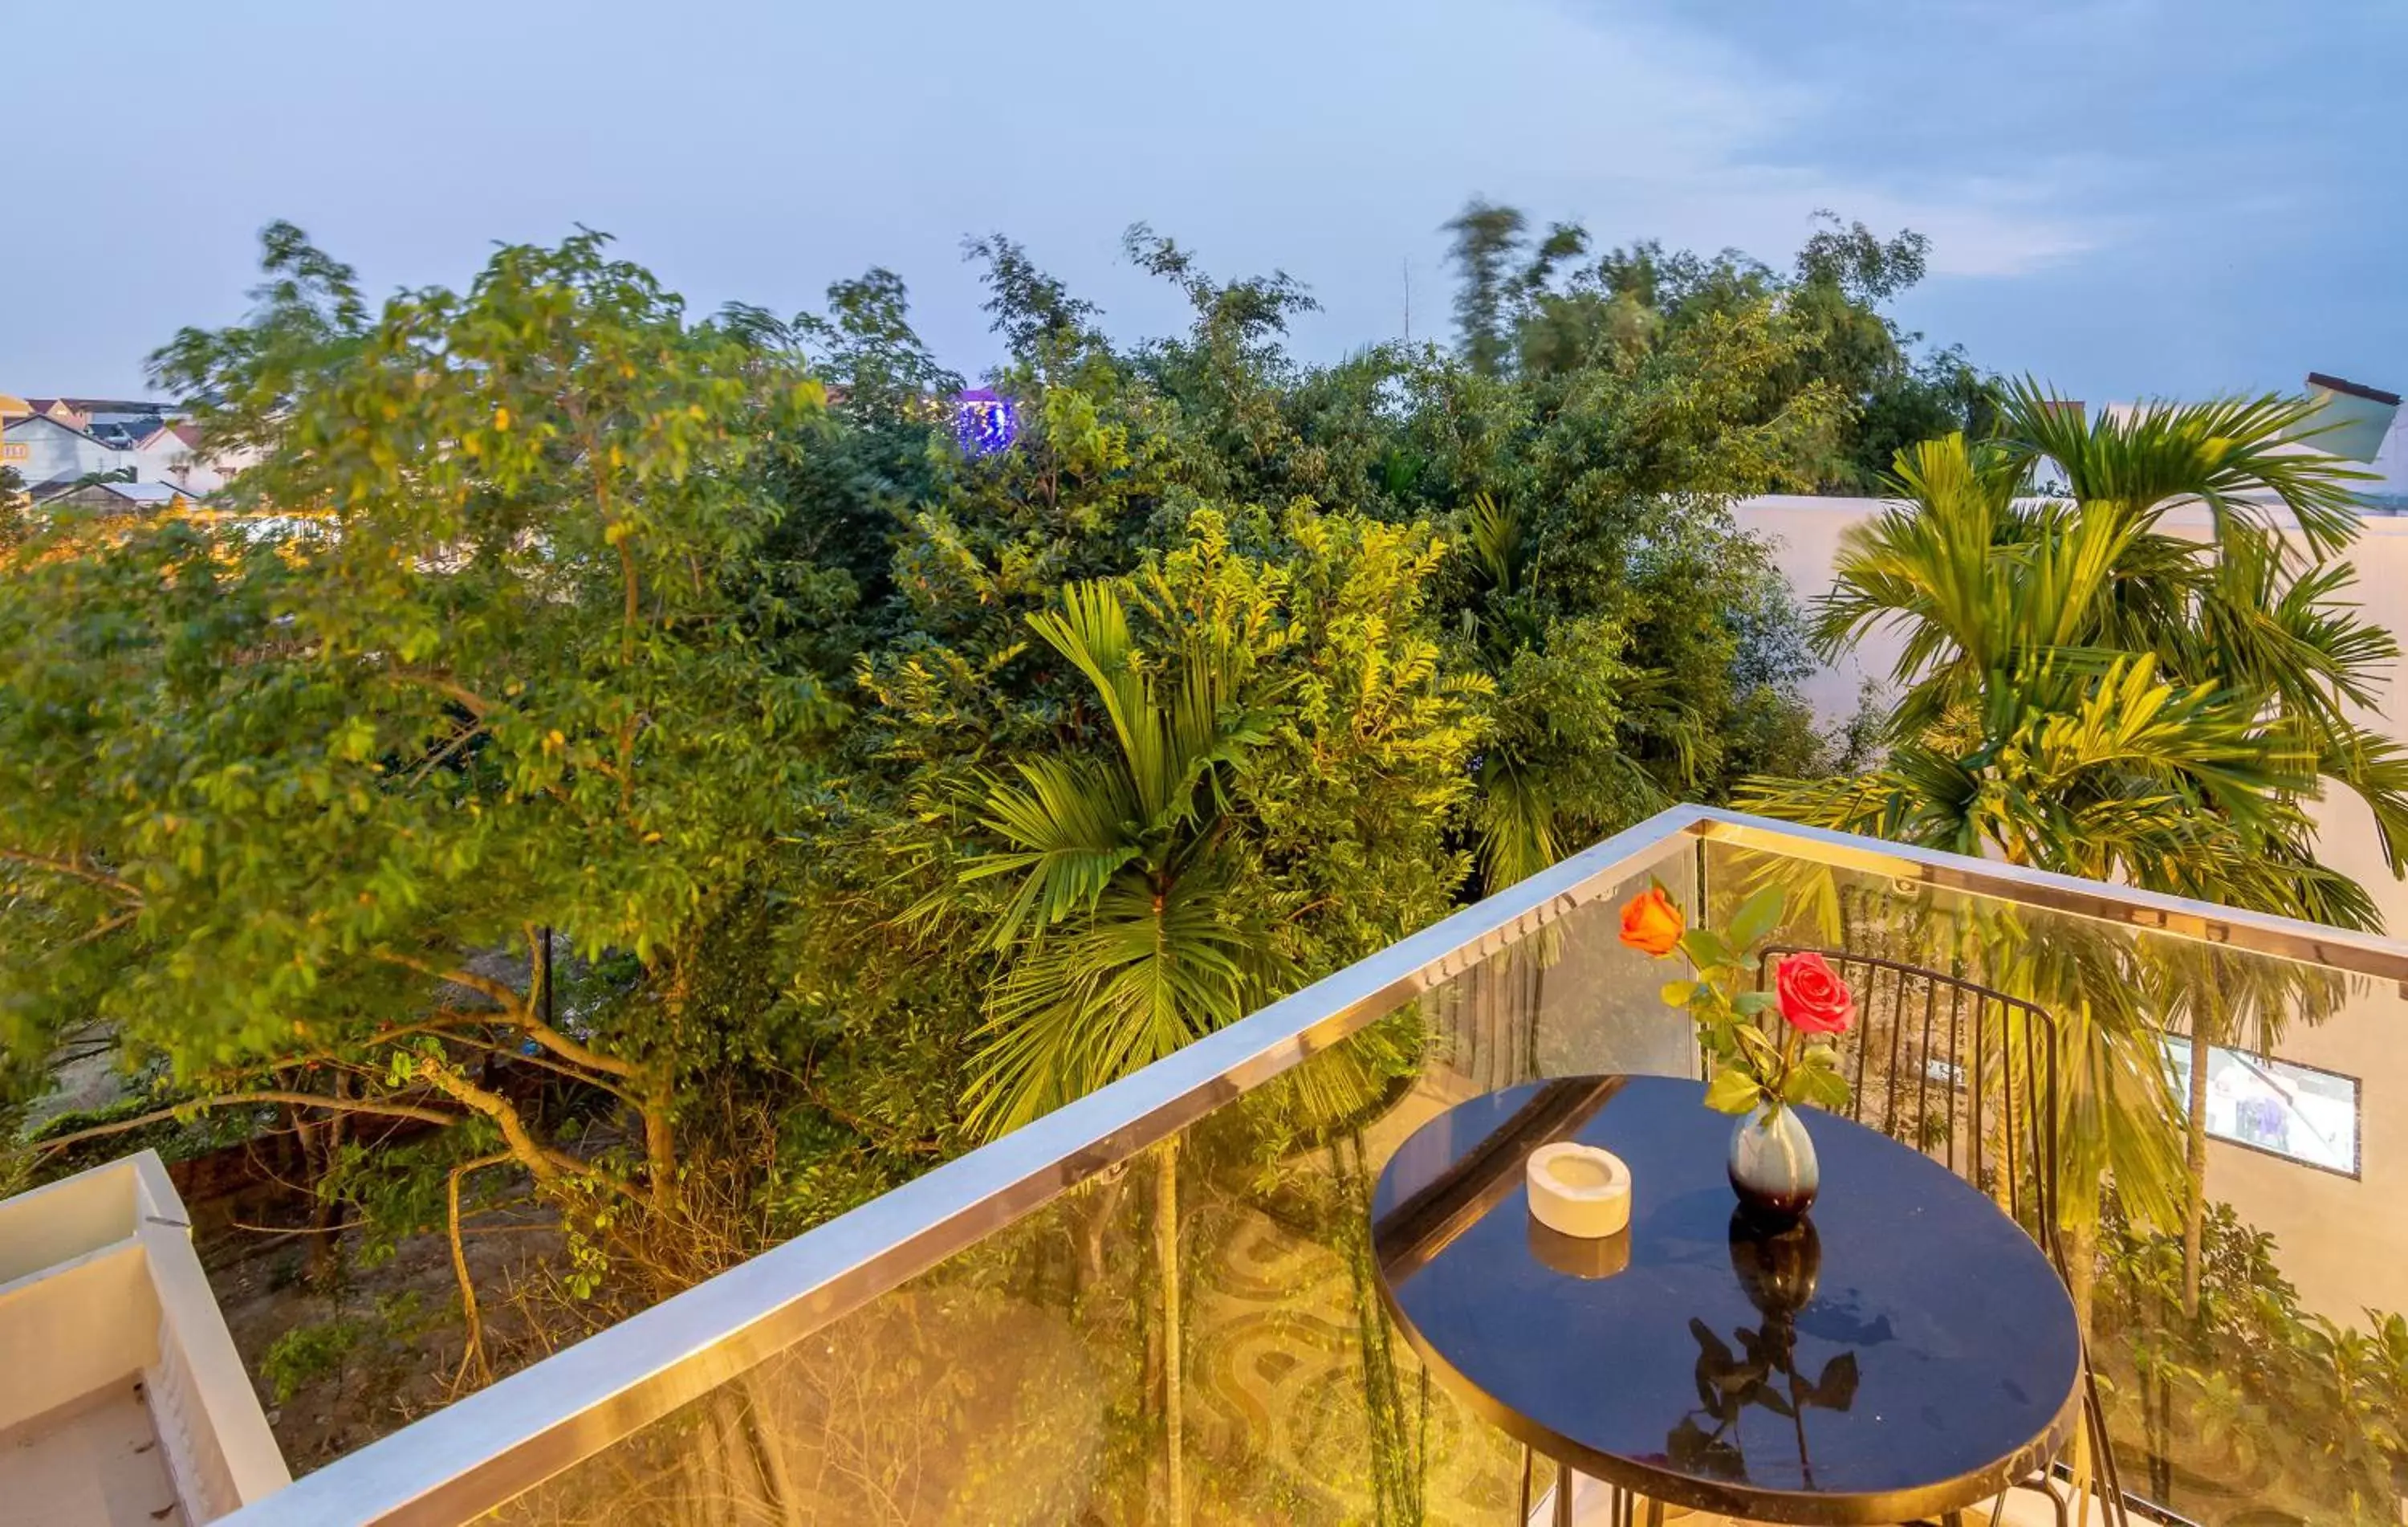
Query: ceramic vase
(1772,1165)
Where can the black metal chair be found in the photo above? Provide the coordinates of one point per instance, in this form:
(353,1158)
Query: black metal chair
(1939,1062)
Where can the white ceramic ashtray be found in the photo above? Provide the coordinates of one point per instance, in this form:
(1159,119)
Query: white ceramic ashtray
(1579,1189)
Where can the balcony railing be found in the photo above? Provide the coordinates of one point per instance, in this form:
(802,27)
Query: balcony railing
(997,1342)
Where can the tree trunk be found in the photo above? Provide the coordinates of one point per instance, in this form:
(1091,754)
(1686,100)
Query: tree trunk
(325,1211)
(473,1358)
(659,1149)
(2081,1245)
(318,1142)
(1166,1253)
(2194,1158)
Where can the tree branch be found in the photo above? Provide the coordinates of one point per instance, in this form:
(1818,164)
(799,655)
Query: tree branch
(547,1165)
(537,1157)
(102,931)
(223,1099)
(500,991)
(435,760)
(460,1264)
(467,699)
(68,867)
(519,1013)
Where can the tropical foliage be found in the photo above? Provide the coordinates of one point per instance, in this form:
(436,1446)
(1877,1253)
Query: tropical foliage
(655,766)
(656,771)
(2084,687)
(2228,1389)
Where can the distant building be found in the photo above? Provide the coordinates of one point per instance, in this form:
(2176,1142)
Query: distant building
(49,454)
(54,443)
(116,497)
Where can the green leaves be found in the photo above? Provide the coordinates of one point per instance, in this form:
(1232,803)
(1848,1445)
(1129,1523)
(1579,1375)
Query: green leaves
(1749,1069)
(1734,1091)
(1816,1079)
(1708,950)
(1757,917)
(319,779)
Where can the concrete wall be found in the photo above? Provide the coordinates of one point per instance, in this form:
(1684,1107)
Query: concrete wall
(98,1284)
(2344,1242)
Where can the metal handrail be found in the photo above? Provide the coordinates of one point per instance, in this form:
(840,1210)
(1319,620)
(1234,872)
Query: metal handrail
(483,1450)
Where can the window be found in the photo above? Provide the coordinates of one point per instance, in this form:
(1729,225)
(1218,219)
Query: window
(2280,1107)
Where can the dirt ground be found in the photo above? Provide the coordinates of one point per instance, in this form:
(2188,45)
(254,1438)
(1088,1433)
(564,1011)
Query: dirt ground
(385,1347)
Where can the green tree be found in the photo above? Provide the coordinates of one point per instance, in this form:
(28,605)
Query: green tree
(1487,239)
(294,809)
(16,510)
(1129,940)
(2087,691)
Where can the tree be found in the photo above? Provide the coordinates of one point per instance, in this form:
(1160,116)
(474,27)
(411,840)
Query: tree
(1128,940)
(1486,239)
(570,623)
(296,809)
(16,510)
(2086,691)
(1153,888)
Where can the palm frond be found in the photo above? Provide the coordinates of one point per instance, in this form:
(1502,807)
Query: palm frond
(1144,975)
(1067,823)
(2239,456)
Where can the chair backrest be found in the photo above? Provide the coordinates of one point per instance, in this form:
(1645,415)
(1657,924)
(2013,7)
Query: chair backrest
(1964,1072)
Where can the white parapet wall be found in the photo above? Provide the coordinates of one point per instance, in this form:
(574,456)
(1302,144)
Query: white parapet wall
(123,1398)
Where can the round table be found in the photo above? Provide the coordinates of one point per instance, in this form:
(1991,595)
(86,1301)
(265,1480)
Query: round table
(1903,1352)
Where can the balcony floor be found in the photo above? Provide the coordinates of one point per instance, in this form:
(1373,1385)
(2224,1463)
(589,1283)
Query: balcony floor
(94,1462)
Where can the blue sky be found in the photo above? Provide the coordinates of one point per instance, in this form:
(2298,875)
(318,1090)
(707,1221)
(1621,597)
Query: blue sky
(2126,196)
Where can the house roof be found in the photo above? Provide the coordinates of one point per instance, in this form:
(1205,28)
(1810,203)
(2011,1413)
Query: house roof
(123,433)
(2352,389)
(137,405)
(32,421)
(188,435)
(139,495)
(145,493)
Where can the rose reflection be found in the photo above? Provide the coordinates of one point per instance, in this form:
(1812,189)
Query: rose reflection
(1777,1269)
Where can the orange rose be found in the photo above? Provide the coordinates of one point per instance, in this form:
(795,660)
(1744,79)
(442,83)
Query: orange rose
(1813,997)
(1650,923)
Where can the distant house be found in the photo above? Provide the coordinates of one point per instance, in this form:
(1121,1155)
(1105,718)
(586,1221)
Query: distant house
(55,443)
(170,451)
(115,497)
(49,454)
(58,409)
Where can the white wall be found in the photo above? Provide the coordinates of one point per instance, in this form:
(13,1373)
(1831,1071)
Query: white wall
(99,1283)
(2344,1242)
(52,453)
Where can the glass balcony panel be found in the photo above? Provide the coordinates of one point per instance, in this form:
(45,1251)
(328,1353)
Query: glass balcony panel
(2265,1386)
(1196,1325)
(1023,1381)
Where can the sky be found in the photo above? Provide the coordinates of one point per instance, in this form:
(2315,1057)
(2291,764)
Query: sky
(2126,198)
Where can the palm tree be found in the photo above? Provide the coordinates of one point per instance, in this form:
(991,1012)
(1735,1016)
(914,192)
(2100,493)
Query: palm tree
(2084,690)
(1125,932)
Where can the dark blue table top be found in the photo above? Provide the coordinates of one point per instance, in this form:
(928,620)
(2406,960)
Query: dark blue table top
(1906,1352)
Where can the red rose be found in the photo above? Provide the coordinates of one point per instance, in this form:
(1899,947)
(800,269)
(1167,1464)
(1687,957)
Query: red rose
(1650,923)
(1814,999)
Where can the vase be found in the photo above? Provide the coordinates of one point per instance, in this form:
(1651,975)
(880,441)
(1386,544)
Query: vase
(1772,1165)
